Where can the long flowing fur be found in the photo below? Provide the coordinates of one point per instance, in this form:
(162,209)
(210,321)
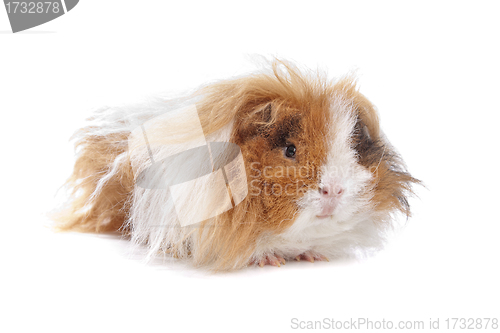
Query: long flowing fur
(105,196)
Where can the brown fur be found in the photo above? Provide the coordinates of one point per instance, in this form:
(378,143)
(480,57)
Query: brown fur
(108,210)
(270,111)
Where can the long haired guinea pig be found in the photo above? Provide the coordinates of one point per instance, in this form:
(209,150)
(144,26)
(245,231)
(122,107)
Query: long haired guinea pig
(320,180)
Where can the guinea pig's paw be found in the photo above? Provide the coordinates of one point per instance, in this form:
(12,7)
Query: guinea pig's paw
(311,256)
(268,259)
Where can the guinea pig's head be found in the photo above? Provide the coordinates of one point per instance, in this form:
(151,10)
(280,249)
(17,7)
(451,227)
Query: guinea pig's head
(314,154)
(314,149)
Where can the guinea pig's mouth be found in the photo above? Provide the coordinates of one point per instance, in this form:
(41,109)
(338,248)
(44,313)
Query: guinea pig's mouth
(328,209)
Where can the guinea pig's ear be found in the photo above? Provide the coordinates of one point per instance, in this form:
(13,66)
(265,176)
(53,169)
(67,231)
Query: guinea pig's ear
(256,120)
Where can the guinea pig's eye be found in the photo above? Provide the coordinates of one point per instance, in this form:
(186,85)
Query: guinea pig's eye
(290,151)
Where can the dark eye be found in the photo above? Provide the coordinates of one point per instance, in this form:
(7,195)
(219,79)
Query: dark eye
(290,151)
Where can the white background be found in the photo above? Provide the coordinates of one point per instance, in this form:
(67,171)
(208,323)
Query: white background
(432,69)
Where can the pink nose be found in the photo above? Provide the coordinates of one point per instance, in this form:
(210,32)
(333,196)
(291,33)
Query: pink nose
(331,190)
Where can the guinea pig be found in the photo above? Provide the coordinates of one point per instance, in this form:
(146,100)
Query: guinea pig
(312,175)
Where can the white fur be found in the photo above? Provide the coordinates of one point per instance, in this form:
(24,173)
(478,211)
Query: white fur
(153,214)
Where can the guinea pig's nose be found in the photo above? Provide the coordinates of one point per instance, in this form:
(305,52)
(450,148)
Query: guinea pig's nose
(331,190)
